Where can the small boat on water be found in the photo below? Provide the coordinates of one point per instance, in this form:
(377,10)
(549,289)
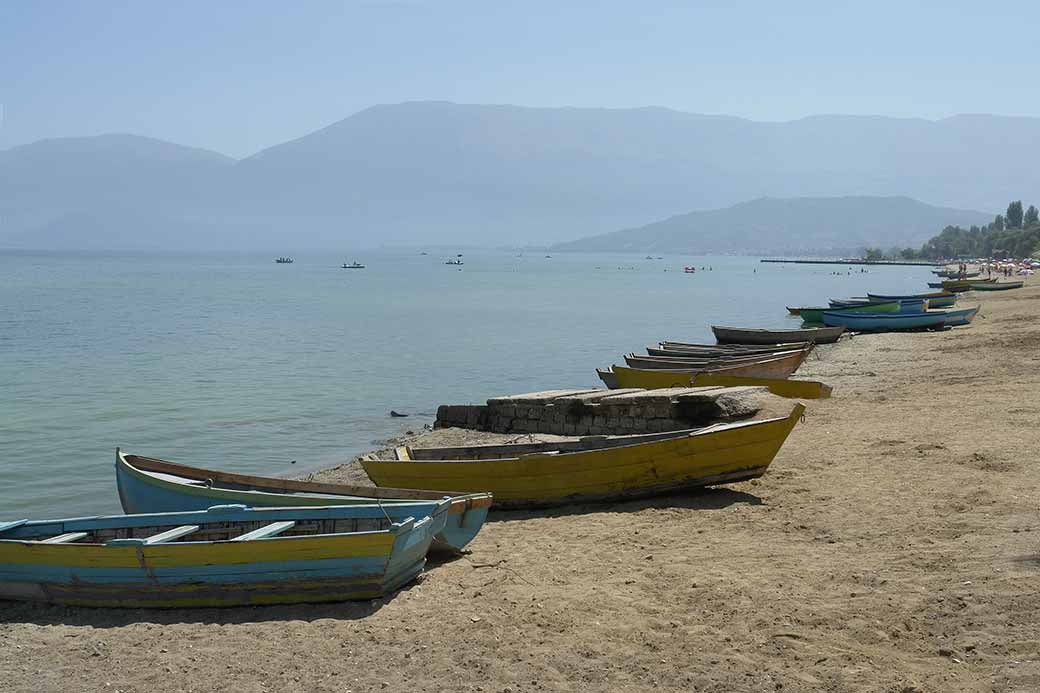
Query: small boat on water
(886,322)
(153,485)
(744,335)
(353,265)
(223,556)
(283,260)
(595,468)
(454,261)
(996,286)
(815,315)
(796,389)
(936,299)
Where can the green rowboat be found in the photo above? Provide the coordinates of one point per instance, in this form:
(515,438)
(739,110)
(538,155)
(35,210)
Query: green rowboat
(815,315)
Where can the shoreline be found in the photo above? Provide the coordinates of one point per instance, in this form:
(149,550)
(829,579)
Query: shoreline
(891,546)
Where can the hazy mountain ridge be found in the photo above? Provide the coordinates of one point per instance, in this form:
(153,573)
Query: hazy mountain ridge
(437,172)
(791,226)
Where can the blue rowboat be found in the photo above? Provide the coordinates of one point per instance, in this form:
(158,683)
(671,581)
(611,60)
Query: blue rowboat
(936,299)
(956,318)
(885,322)
(906,305)
(149,485)
(224,556)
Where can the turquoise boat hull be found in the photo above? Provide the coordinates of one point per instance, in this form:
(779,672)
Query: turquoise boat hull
(815,315)
(143,490)
(223,556)
(885,322)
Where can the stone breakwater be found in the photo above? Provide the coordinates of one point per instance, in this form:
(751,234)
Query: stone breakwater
(607,412)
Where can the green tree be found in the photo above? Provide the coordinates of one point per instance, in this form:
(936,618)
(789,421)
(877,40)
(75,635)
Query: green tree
(874,254)
(998,223)
(1014,215)
(1032,217)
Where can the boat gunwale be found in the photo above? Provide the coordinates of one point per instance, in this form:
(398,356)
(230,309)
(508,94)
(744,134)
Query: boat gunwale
(678,435)
(275,484)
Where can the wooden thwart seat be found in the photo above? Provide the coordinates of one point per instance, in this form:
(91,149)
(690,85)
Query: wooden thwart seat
(160,538)
(66,538)
(266,531)
(171,534)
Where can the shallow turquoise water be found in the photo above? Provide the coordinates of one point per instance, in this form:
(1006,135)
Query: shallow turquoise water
(238,363)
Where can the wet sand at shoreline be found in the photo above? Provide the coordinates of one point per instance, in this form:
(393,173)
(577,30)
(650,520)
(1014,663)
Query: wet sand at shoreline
(894,545)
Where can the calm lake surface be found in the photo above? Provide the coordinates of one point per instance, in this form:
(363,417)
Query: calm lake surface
(238,363)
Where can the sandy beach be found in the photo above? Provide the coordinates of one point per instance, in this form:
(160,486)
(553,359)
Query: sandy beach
(893,546)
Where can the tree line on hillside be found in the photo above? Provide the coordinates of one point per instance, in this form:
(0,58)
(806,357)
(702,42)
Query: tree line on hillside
(1013,234)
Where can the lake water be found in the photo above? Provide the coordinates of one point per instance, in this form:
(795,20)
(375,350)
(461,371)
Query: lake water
(238,363)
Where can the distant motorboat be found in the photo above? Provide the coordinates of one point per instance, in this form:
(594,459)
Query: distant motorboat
(284,260)
(689,270)
(453,262)
(353,265)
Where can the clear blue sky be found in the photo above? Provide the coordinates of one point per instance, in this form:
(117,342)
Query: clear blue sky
(240,76)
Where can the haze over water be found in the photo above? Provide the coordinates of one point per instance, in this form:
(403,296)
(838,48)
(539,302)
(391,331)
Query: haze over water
(234,362)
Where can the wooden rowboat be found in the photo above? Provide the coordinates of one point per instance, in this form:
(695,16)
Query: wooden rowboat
(694,362)
(886,322)
(955,274)
(147,484)
(936,299)
(743,335)
(736,348)
(815,315)
(780,367)
(995,286)
(959,285)
(729,350)
(957,318)
(796,389)
(596,469)
(905,305)
(608,378)
(224,556)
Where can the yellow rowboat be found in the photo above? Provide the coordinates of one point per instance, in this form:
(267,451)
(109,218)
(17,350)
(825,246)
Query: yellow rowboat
(656,378)
(595,469)
(795,389)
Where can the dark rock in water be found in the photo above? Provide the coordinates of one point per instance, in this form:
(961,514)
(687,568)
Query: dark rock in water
(397,415)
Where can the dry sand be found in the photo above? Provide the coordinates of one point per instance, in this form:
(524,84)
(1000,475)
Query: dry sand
(892,547)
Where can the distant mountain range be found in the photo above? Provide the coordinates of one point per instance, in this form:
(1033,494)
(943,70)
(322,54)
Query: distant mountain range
(793,226)
(443,173)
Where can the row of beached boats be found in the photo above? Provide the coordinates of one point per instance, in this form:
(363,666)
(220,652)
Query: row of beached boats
(745,356)
(887,312)
(203,537)
(741,356)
